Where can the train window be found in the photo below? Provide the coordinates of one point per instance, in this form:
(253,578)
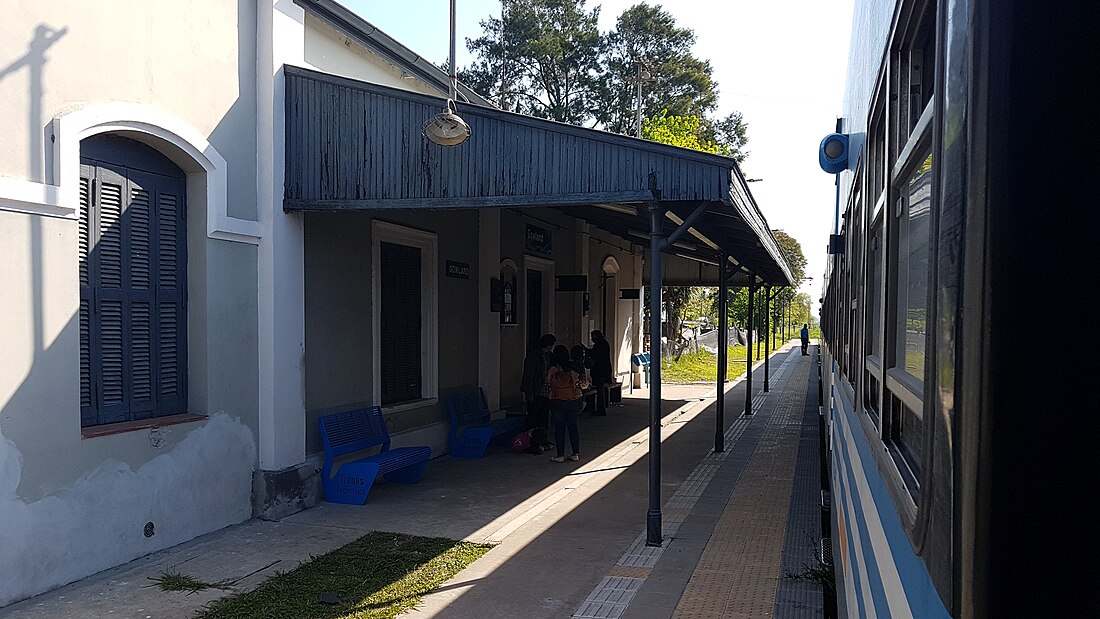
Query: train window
(875,265)
(900,341)
(912,289)
(906,437)
(876,261)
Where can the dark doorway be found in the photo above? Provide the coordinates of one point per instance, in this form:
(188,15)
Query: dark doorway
(534,307)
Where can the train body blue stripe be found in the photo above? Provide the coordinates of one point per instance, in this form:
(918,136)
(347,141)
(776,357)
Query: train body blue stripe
(842,501)
(919,591)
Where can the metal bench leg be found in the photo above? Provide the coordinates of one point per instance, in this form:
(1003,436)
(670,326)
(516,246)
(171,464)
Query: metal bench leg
(351,484)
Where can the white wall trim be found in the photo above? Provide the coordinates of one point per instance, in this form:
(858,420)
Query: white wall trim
(22,196)
(610,265)
(69,128)
(428,243)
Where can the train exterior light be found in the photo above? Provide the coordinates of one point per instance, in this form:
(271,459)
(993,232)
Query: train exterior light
(833,153)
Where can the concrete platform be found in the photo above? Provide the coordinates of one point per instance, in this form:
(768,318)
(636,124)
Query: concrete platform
(570,537)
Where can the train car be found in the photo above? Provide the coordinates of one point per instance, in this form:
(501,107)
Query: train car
(956,309)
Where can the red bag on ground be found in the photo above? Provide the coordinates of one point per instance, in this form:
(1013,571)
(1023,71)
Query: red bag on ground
(521,442)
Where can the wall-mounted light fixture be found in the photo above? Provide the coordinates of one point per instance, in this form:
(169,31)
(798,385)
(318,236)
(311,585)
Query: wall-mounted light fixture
(832,155)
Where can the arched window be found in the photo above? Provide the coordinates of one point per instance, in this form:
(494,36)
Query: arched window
(133,282)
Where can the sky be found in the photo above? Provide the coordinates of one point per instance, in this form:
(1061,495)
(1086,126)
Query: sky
(781,64)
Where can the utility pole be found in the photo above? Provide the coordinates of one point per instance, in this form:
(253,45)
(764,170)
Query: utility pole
(642,75)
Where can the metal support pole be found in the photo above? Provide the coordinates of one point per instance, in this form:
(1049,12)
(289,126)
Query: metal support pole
(723,356)
(656,245)
(748,351)
(767,333)
(452,69)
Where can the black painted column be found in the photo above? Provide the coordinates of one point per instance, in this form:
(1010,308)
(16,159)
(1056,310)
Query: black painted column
(723,356)
(656,243)
(767,333)
(748,350)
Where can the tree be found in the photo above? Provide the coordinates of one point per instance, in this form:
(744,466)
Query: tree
(646,37)
(541,57)
(792,253)
(682,131)
(678,81)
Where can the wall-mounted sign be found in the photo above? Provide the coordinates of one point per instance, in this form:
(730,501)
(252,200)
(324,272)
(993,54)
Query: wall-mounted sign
(538,240)
(461,270)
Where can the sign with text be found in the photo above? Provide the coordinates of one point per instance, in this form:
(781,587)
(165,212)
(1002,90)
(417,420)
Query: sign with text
(461,270)
(538,240)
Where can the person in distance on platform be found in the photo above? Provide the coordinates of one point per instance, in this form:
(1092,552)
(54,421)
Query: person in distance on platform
(566,402)
(536,392)
(805,335)
(601,371)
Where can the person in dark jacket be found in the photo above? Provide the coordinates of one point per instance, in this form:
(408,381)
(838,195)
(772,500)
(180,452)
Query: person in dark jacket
(579,355)
(804,334)
(601,371)
(536,392)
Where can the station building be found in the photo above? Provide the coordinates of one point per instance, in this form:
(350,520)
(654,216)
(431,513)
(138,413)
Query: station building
(220,220)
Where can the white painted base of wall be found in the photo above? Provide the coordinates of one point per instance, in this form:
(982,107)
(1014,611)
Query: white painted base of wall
(202,485)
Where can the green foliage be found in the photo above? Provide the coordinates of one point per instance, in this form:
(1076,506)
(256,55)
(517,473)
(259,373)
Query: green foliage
(682,131)
(678,81)
(378,575)
(547,58)
(541,57)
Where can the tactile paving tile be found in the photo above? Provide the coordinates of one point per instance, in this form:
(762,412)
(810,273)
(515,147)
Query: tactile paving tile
(610,598)
(637,562)
(739,571)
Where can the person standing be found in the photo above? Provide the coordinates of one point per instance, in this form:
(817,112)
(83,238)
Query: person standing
(805,335)
(601,371)
(536,391)
(566,402)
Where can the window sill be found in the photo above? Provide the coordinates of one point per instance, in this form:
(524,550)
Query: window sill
(140,424)
(404,406)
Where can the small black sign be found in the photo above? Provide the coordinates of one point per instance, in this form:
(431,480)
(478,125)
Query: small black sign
(538,240)
(461,270)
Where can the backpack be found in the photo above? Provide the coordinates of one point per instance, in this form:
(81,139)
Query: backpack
(563,386)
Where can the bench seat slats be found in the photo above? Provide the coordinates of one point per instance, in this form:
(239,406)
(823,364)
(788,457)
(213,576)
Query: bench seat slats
(359,430)
(472,425)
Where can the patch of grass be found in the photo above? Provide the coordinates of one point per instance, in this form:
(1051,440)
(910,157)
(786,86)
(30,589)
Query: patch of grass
(379,575)
(702,367)
(175,581)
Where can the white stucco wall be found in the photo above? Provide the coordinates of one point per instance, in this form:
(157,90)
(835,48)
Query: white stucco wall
(329,50)
(201,484)
(182,77)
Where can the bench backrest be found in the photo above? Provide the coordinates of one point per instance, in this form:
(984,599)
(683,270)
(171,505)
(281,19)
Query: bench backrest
(468,408)
(351,431)
(640,359)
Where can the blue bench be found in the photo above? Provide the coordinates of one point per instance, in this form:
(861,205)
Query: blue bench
(472,425)
(357,430)
(642,361)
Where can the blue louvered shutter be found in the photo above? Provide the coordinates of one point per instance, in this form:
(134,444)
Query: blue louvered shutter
(88,397)
(400,303)
(133,283)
